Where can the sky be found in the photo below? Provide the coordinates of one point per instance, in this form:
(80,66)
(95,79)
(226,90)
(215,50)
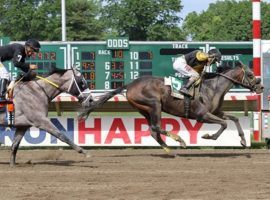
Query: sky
(194,5)
(197,6)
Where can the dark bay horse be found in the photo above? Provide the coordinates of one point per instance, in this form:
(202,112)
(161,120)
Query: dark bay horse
(150,97)
(31,101)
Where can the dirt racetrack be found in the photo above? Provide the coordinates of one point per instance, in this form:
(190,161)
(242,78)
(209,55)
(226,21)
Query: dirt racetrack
(131,174)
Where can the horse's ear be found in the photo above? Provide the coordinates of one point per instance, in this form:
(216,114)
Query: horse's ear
(73,67)
(52,69)
(239,64)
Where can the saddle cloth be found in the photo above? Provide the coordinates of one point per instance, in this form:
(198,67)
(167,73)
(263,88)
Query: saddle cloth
(176,84)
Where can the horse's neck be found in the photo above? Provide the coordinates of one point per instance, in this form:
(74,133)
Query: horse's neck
(217,87)
(48,87)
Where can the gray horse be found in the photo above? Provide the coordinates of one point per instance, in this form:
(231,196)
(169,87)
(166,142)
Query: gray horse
(31,102)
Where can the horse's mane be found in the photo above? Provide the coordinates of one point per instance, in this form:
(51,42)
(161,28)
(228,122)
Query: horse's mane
(53,70)
(224,68)
(220,69)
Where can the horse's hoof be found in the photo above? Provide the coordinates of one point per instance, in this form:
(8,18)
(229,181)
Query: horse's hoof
(183,144)
(168,151)
(206,136)
(243,143)
(86,154)
(81,150)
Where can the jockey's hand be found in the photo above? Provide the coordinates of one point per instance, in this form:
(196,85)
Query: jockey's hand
(32,66)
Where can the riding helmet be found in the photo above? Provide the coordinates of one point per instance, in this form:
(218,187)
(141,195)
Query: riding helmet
(34,44)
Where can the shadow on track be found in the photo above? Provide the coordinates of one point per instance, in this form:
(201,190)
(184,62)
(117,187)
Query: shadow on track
(65,163)
(186,155)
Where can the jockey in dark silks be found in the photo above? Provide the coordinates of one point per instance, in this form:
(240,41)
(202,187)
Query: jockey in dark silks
(192,65)
(17,53)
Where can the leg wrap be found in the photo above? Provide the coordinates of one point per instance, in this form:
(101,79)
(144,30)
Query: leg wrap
(186,106)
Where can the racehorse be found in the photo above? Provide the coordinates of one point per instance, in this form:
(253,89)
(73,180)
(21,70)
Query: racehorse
(150,97)
(31,101)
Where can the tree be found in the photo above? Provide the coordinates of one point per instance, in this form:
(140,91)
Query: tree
(21,20)
(143,19)
(41,19)
(225,20)
(83,21)
(265,20)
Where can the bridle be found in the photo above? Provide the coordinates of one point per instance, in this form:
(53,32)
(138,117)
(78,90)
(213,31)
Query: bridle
(73,81)
(249,86)
(83,98)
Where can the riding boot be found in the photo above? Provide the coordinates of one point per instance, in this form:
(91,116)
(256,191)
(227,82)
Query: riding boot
(185,89)
(3,89)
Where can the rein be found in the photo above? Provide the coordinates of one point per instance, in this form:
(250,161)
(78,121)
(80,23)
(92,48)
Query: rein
(48,81)
(73,81)
(235,81)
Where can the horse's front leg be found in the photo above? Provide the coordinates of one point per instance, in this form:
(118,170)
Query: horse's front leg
(213,119)
(238,126)
(47,125)
(19,133)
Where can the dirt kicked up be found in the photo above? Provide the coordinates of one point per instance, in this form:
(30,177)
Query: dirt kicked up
(136,174)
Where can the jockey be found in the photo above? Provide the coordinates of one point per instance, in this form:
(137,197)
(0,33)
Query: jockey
(192,65)
(17,53)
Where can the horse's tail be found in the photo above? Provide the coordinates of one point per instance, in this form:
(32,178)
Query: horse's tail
(98,103)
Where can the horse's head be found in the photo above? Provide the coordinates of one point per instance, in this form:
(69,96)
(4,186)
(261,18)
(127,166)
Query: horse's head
(250,81)
(76,85)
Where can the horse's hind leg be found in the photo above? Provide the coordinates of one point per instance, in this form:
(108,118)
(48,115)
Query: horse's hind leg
(19,133)
(154,132)
(177,138)
(155,117)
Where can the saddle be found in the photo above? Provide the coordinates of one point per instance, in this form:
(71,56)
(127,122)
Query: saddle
(176,84)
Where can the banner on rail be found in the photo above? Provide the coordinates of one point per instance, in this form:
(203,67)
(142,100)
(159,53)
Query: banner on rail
(129,131)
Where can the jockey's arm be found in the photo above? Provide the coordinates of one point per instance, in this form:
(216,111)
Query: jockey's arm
(25,66)
(19,62)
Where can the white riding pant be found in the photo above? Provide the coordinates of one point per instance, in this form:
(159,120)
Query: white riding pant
(4,73)
(180,65)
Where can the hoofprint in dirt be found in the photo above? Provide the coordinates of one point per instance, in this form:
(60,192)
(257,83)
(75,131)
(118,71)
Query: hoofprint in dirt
(136,174)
